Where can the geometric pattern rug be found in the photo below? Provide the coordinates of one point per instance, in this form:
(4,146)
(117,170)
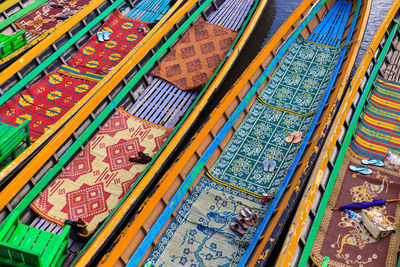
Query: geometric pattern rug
(344,240)
(100,175)
(45,102)
(44,17)
(101,57)
(192,61)
(199,234)
(379,129)
(281,109)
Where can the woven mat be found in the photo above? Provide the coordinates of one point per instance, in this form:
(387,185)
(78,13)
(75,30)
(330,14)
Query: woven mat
(199,234)
(301,79)
(100,175)
(45,102)
(347,242)
(101,57)
(261,134)
(192,61)
(379,129)
(44,17)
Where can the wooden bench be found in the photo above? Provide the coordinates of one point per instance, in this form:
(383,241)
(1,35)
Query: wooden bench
(11,138)
(23,245)
(10,44)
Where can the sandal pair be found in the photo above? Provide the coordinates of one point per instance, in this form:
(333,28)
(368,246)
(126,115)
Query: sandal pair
(294,137)
(142,28)
(246,219)
(143,158)
(364,170)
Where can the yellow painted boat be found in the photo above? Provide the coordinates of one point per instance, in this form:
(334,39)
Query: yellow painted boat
(146,224)
(380,59)
(129,85)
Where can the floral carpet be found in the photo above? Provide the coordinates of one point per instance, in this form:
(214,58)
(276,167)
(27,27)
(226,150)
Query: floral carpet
(286,104)
(199,234)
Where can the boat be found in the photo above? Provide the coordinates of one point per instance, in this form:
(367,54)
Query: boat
(21,31)
(138,92)
(174,194)
(377,67)
(45,58)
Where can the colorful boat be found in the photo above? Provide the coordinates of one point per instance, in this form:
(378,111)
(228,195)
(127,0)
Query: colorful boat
(149,108)
(359,133)
(173,211)
(54,64)
(27,23)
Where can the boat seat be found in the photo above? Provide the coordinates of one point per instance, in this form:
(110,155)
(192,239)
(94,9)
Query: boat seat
(22,245)
(9,44)
(11,138)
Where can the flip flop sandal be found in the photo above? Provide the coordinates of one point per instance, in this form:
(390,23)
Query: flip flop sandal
(360,169)
(272,166)
(290,137)
(100,37)
(55,5)
(375,162)
(236,228)
(106,35)
(251,213)
(140,28)
(297,137)
(136,160)
(144,156)
(250,221)
(242,221)
(266,164)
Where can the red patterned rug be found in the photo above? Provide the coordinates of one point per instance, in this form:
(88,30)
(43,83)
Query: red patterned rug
(101,174)
(194,58)
(101,57)
(44,18)
(45,102)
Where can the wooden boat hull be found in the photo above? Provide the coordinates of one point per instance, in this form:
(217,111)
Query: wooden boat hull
(130,66)
(293,247)
(147,214)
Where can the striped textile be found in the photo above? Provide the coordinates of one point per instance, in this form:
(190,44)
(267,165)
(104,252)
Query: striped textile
(379,130)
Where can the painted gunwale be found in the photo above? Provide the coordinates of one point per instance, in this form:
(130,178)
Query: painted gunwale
(57,50)
(147,214)
(339,136)
(106,95)
(21,8)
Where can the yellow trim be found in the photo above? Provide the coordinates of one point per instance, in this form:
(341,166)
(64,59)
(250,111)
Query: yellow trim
(212,177)
(285,110)
(7,4)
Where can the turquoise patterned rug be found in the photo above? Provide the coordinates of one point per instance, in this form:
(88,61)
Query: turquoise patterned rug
(286,104)
(199,235)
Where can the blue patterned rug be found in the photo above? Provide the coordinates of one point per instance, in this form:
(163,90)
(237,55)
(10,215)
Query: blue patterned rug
(199,235)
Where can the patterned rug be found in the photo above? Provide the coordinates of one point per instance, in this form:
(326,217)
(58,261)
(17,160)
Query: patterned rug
(285,105)
(44,17)
(101,57)
(199,234)
(301,79)
(100,175)
(379,129)
(196,55)
(347,242)
(45,102)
